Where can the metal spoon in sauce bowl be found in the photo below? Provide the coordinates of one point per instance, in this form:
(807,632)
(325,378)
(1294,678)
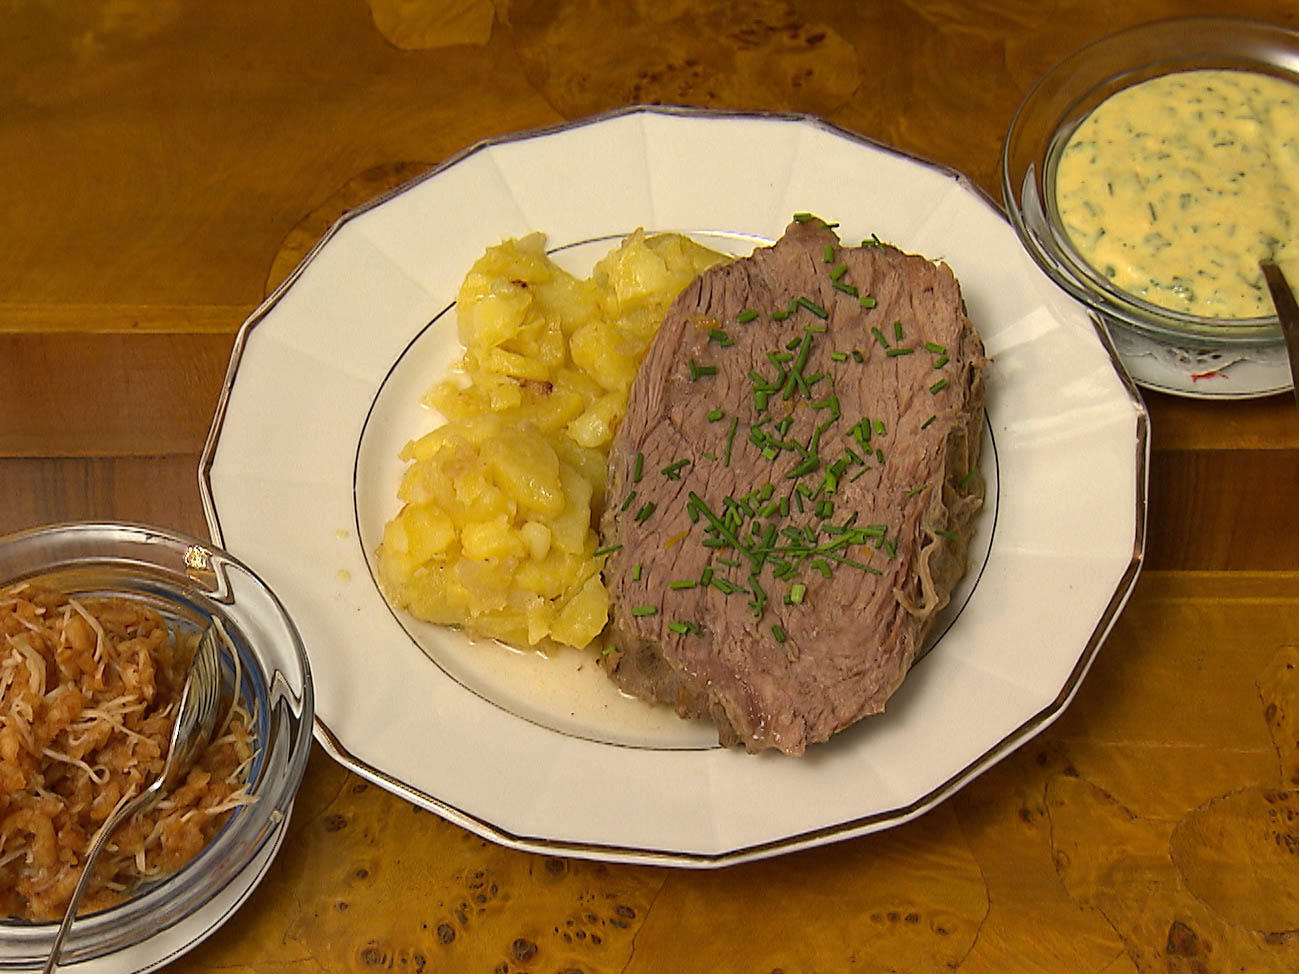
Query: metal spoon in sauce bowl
(196,720)
(1287,312)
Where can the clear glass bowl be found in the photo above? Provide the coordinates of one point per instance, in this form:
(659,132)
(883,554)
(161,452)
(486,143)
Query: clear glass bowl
(188,581)
(1067,94)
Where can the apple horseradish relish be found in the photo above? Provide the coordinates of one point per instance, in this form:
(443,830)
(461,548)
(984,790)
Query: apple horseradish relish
(1174,189)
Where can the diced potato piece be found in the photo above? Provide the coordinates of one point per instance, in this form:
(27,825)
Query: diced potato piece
(571,529)
(595,427)
(495,317)
(541,619)
(526,466)
(514,365)
(490,539)
(597,350)
(429,531)
(584,616)
(497,533)
(536,536)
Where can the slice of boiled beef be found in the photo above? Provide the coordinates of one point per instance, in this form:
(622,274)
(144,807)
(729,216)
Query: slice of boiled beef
(793,487)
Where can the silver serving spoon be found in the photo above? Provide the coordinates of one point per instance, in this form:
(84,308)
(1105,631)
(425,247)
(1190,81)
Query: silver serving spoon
(196,719)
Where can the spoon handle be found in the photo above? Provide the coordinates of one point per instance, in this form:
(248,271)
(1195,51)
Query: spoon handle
(1287,313)
(120,815)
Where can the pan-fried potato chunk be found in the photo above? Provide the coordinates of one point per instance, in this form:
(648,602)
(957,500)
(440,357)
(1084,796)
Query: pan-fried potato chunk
(497,529)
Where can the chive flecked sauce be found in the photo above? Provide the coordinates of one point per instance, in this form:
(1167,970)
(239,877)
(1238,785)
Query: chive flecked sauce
(1174,189)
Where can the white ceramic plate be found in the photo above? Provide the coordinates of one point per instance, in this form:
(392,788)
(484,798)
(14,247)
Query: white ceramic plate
(300,471)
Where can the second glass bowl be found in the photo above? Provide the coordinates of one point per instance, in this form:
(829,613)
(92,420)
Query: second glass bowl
(1066,95)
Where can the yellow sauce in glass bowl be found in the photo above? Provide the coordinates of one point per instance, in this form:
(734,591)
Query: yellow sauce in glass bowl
(1174,188)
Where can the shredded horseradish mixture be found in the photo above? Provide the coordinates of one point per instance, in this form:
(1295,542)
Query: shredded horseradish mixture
(88,689)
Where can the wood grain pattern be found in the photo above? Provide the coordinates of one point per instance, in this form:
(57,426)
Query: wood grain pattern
(168,163)
(65,394)
(161,490)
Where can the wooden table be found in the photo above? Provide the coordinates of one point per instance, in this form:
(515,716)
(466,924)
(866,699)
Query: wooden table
(164,163)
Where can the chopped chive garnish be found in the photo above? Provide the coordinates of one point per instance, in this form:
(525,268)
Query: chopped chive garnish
(779,633)
(638,468)
(866,301)
(608,550)
(627,502)
(915,490)
(892,352)
(645,610)
(940,361)
(730,439)
(879,337)
(683,583)
(838,271)
(938,386)
(879,427)
(926,423)
(678,627)
(608,649)
(967,478)
(897,330)
(747,315)
(646,510)
(950,535)
(673,470)
(849,289)
(935,348)
(796,593)
(696,370)
(779,315)
(803,217)
(719,336)
(827,255)
(857,356)
(714,415)
(635,572)
(813,307)
(839,356)
(708,456)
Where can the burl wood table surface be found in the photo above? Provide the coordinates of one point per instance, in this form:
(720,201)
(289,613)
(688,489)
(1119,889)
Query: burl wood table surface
(164,163)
